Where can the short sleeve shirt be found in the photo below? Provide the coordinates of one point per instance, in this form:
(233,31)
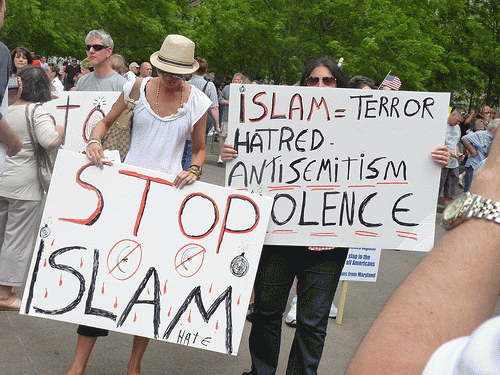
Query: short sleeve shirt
(224,95)
(209,91)
(20,180)
(481,141)
(91,82)
(451,141)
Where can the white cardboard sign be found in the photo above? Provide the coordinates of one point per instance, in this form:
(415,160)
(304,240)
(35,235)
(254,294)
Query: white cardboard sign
(345,167)
(122,249)
(78,112)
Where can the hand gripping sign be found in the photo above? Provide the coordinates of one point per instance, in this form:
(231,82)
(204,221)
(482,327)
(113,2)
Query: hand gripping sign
(122,249)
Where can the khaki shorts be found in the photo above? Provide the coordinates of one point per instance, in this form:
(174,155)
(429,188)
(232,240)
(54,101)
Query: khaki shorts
(223,129)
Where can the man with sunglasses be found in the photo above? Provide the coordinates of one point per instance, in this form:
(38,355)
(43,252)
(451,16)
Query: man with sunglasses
(99,46)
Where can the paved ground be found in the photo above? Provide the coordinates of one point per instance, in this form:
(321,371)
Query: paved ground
(42,346)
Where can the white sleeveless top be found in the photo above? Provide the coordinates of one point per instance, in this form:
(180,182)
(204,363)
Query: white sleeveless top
(158,142)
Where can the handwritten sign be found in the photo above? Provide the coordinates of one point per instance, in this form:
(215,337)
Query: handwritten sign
(122,249)
(78,112)
(345,167)
(361,265)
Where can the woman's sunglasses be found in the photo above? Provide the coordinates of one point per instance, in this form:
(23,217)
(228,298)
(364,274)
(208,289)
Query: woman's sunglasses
(164,73)
(327,81)
(96,47)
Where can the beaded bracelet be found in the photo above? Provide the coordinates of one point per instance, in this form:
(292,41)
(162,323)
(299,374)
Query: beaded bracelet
(94,141)
(195,173)
(197,167)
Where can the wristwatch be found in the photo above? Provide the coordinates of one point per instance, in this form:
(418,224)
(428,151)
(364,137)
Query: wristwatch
(467,206)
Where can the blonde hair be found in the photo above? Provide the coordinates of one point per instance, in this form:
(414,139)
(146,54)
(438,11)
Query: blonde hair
(117,62)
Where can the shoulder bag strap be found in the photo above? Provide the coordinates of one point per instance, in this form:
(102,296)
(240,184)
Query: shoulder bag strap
(135,92)
(30,122)
(205,87)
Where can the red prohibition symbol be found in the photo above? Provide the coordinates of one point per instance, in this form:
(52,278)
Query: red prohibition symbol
(124,259)
(189,259)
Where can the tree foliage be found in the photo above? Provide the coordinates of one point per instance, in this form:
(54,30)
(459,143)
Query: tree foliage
(434,45)
(59,27)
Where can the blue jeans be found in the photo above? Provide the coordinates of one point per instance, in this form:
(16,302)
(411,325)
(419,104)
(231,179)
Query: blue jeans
(469,173)
(186,156)
(318,273)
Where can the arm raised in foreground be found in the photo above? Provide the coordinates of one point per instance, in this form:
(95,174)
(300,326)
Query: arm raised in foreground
(448,295)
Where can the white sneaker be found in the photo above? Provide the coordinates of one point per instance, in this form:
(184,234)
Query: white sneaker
(333,311)
(291,318)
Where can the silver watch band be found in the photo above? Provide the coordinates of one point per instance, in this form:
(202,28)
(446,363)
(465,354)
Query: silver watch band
(485,208)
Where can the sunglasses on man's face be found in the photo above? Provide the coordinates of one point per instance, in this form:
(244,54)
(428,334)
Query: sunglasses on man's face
(164,73)
(96,47)
(327,81)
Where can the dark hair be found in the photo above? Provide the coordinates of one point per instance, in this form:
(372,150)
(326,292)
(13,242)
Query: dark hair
(23,51)
(203,66)
(36,85)
(54,68)
(330,64)
(358,82)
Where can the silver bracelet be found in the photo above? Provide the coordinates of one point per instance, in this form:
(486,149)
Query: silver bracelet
(94,141)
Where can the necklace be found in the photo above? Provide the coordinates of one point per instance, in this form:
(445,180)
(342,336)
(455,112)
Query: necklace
(158,95)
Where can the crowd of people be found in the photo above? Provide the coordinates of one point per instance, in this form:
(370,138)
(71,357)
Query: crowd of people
(468,137)
(177,105)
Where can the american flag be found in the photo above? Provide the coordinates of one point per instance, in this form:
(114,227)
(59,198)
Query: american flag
(392,82)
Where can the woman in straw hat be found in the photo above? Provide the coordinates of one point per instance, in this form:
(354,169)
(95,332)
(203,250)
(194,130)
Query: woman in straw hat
(167,111)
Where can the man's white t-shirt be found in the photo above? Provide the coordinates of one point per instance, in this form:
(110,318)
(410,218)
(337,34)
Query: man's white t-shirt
(477,354)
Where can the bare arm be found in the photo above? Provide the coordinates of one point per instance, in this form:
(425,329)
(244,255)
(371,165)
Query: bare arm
(215,114)
(94,151)
(59,139)
(456,154)
(10,138)
(469,147)
(452,291)
(471,117)
(198,155)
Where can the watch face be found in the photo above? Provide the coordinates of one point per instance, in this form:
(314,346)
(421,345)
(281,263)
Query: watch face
(456,212)
(454,208)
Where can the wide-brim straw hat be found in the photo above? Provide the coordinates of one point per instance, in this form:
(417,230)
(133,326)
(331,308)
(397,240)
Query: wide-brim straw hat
(176,55)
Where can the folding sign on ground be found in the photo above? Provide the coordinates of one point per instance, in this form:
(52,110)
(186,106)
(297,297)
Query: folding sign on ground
(122,249)
(345,167)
